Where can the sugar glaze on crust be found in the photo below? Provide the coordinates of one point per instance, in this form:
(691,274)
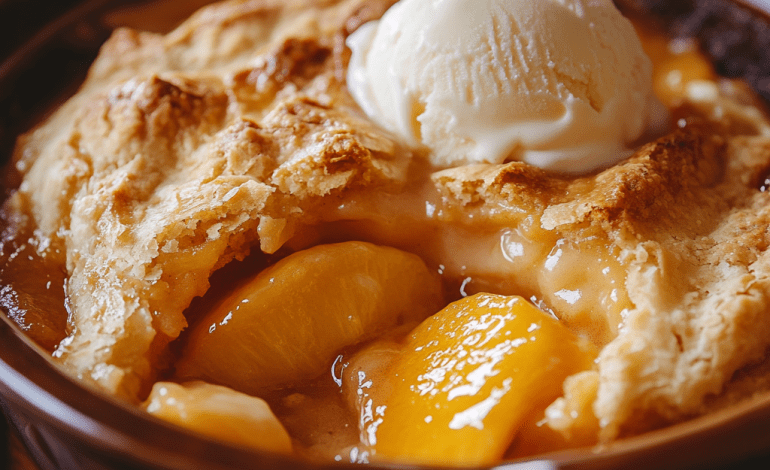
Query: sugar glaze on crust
(239,132)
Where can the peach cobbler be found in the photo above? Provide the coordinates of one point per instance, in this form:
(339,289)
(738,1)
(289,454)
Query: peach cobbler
(347,230)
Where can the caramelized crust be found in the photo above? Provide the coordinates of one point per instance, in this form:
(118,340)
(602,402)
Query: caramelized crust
(183,152)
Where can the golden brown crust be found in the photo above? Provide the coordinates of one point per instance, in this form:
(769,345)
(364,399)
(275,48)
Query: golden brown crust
(646,189)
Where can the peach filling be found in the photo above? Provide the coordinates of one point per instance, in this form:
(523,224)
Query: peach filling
(468,377)
(288,322)
(219,412)
(494,360)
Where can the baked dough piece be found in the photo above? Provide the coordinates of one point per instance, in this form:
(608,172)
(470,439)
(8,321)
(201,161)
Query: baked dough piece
(162,170)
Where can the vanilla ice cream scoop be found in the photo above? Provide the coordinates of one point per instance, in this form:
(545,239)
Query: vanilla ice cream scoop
(560,84)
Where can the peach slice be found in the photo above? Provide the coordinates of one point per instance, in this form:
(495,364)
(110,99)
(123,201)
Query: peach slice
(221,413)
(470,376)
(286,324)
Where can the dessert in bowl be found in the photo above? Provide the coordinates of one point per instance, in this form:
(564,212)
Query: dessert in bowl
(253,228)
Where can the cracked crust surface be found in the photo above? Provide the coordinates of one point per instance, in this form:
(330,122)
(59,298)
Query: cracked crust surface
(239,130)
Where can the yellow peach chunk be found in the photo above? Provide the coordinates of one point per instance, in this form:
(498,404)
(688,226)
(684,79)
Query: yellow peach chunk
(470,376)
(221,413)
(286,325)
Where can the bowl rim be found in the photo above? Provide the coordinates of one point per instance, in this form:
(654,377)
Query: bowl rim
(33,384)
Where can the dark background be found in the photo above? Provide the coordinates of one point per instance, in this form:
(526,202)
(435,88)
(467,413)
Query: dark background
(4,461)
(27,88)
(28,17)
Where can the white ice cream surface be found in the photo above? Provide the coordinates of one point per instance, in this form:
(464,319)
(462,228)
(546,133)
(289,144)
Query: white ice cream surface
(560,84)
